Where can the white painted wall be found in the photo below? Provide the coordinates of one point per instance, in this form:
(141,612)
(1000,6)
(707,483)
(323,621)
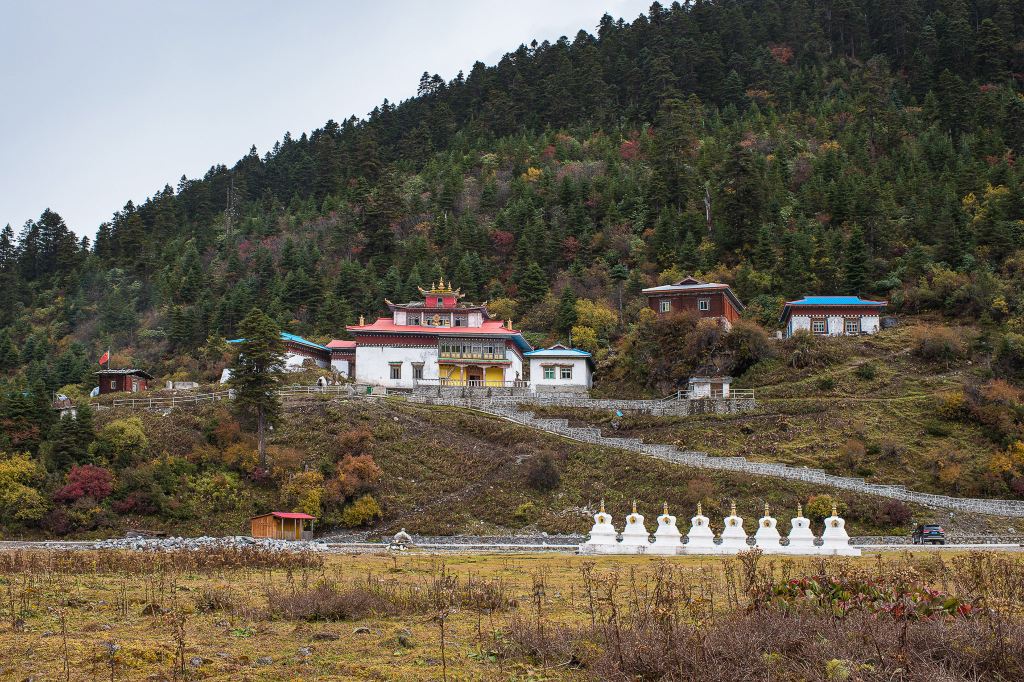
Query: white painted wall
(372,364)
(870,324)
(293,362)
(835,325)
(340,366)
(798,322)
(582,378)
(702,389)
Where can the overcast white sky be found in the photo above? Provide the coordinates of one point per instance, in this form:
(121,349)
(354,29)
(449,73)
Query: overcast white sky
(105,101)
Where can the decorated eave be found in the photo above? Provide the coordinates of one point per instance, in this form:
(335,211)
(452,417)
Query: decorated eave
(840,302)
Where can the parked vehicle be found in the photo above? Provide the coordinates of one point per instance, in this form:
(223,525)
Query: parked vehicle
(929,534)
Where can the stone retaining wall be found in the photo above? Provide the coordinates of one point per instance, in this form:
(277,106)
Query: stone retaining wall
(702,460)
(662,408)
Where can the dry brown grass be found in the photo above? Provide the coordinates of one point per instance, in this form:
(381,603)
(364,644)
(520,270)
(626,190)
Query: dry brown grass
(123,615)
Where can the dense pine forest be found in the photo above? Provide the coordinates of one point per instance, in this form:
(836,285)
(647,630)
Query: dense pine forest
(785,147)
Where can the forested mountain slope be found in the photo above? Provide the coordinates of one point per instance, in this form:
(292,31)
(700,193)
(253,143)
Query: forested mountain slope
(788,147)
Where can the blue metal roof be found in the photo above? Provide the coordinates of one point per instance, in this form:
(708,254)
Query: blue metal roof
(558,353)
(827,301)
(285,336)
(835,300)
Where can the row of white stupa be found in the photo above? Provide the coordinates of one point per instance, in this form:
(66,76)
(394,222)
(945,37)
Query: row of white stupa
(701,539)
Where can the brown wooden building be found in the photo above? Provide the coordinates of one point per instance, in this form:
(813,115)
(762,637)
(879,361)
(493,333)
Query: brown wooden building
(123,380)
(706,299)
(282,525)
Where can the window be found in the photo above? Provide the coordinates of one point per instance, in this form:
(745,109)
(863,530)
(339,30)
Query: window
(818,326)
(113,384)
(565,372)
(417,371)
(490,350)
(549,372)
(460,321)
(704,304)
(396,371)
(440,301)
(414,320)
(853,327)
(664,306)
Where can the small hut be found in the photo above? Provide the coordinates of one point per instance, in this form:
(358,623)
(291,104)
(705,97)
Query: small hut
(123,380)
(282,525)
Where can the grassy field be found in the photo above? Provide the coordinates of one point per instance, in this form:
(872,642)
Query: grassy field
(448,471)
(238,615)
(883,423)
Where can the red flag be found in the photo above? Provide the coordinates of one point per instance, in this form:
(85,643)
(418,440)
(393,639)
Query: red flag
(105,357)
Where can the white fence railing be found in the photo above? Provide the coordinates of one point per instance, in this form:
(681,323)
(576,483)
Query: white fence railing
(171,401)
(471,383)
(160,402)
(733,394)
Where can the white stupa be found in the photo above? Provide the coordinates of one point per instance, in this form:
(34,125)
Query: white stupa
(666,535)
(602,535)
(767,537)
(734,538)
(835,539)
(635,534)
(801,539)
(700,539)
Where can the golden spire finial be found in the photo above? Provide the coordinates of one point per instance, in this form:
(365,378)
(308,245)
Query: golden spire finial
(732,508)
(440,284)
(766,509)
(362,321)
(433,286)
(634,506)
(799,510)
(602,505)
(834,509)
(699,512)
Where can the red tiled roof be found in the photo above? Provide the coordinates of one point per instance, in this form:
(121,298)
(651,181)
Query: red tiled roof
(339,343)
(288,515)
(387,324)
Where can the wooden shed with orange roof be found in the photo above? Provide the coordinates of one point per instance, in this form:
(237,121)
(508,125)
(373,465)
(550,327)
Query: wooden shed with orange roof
(282,525)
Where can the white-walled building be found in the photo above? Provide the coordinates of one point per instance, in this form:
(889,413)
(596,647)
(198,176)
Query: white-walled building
(343,357)
(560,369)
(438,341)
(832,315)
(708,387)
(297,351)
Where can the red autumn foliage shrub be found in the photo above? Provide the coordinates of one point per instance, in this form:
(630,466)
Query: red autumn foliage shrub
(355,441)
(86,481)
(356,474)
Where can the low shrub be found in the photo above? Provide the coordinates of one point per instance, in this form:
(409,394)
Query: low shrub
(803,349)
(866,371)
(324,602)
(361,512)
(542,473)
(86,481)
(938,344)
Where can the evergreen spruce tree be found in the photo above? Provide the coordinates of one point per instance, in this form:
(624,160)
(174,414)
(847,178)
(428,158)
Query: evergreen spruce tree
(9,355)
(254,374)
(533,285)
(856,266)
(566,310)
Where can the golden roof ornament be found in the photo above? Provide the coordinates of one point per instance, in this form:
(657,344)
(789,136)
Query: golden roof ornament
(634,506)
(766,509)
(834,509)
(699,512)
(799,510)
(732,508)
(664,509)
(362,321)
(602,505)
